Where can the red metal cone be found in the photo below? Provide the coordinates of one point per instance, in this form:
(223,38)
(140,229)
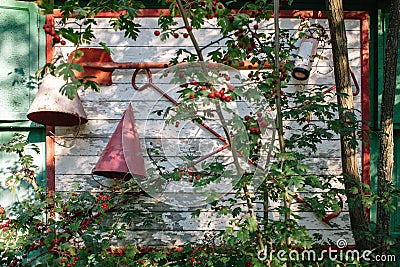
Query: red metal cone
(124,146)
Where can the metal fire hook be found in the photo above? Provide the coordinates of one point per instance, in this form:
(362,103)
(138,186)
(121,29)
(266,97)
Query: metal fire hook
(150,84)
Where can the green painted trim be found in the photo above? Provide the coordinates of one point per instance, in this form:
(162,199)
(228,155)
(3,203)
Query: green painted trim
(20,125)
(378,49)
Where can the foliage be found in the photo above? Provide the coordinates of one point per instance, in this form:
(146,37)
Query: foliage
(92,228)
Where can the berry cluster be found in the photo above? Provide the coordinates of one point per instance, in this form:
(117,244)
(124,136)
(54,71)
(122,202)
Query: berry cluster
(72,263)
(5,226)
(193,261)
(145,263)
(175,32)
(48,29)
(206,89)
(254,127)
(220,94)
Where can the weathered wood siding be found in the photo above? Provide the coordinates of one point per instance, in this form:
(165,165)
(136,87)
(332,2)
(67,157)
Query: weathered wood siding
(79,148)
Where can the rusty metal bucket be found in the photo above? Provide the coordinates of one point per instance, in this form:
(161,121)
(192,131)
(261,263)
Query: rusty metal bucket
(52,108)
(123,146)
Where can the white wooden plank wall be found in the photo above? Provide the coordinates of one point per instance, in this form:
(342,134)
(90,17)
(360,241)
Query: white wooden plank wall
(79,148)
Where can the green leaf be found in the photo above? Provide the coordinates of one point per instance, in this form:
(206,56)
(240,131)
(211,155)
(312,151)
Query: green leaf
(252,224)
(105,47)
(243,234)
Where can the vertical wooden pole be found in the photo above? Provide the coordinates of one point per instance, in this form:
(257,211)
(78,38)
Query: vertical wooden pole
(351,175)
(50,161)
(50,144)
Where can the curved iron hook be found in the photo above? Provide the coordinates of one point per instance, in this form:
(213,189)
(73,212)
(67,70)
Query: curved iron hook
(144,86)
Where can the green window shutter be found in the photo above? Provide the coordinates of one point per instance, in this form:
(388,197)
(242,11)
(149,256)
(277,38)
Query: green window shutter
(396,117)
(22,52)
(19,60)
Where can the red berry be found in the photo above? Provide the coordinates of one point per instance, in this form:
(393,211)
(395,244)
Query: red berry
(246,118)
(255,27)
(63,42)
(189,28)
(211,95)
(185,35)
(176,35)
(157,33)
(191,96)
(177,124)
(57,39)
(228,98)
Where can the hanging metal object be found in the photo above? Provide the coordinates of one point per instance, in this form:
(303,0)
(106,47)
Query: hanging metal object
(98,64)
(124,146)
(52,108)
(307,50)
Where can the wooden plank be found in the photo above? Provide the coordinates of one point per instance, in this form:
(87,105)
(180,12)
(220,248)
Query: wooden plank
(147,109)
(183,221)
(84,164)
(94,146)
(172,238)
(149,129)
(284,23)
(88,182)
(205,37)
